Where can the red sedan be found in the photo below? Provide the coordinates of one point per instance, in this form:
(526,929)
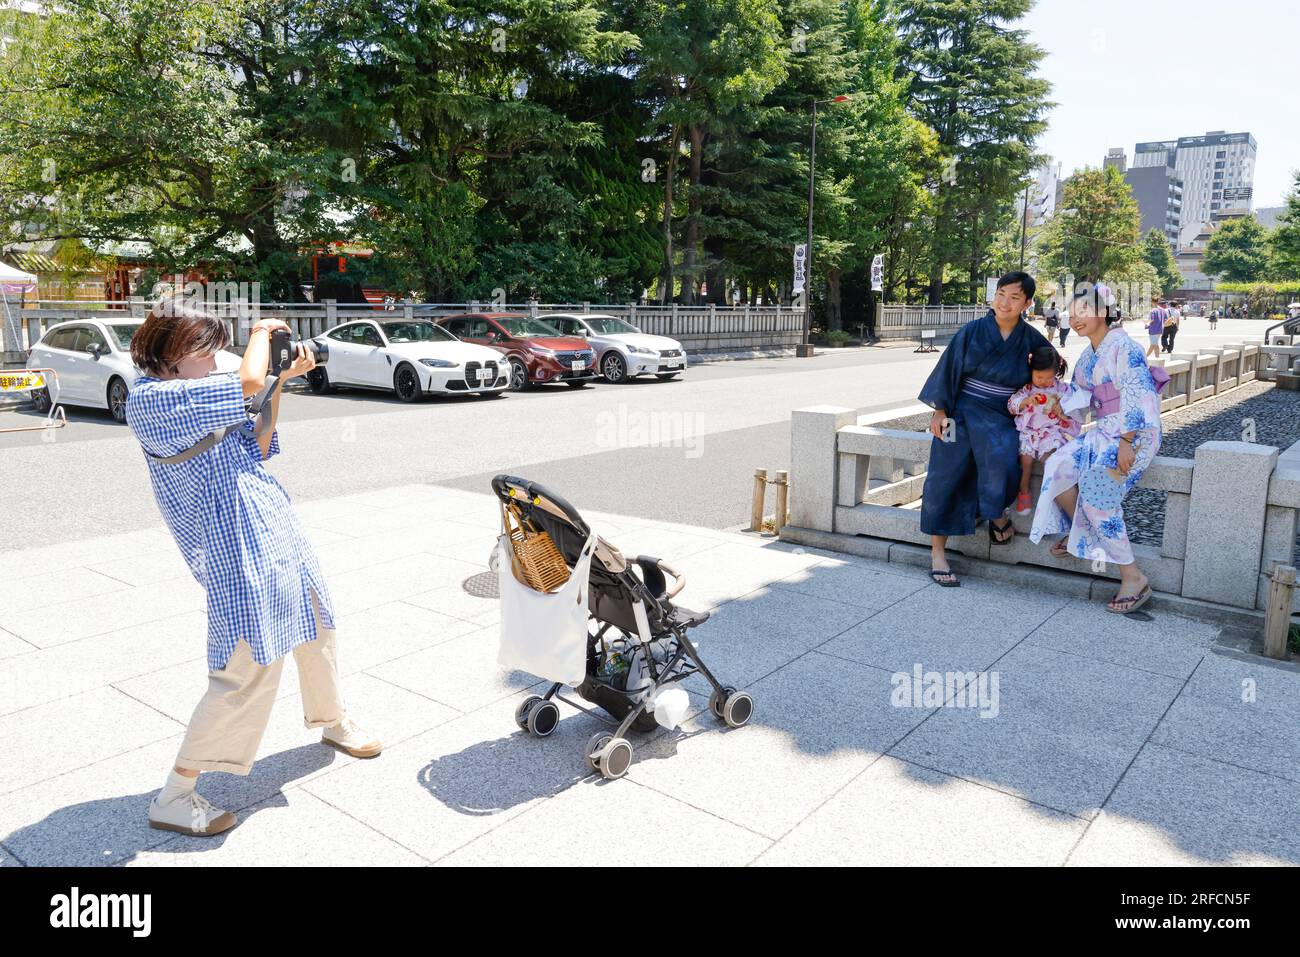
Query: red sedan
(537,351)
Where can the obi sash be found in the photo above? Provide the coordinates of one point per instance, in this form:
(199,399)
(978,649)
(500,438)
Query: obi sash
(988,391)
(1105,397)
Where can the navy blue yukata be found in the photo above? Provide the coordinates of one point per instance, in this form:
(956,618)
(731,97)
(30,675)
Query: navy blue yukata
(977,475)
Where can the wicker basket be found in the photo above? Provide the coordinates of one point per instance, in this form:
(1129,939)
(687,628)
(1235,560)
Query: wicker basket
(536,559)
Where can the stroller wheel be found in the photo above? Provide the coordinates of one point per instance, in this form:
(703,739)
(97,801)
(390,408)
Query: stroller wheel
(733,708)
(718,699)
(594,744)
(542,718)
(616,760)
(521,712)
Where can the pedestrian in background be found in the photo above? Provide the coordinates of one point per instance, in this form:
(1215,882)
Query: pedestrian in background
(1170,330)
(1155,326)
(1051,318)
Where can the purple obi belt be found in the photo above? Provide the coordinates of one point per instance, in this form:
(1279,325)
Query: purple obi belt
(1105,397)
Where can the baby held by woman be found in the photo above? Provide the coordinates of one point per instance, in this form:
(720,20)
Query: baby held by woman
(1043,426)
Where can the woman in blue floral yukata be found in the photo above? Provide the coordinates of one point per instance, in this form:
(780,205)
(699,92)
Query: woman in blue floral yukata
(1086,480)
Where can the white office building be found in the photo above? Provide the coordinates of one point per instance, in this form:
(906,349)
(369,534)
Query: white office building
(1042,195)
(1217,170)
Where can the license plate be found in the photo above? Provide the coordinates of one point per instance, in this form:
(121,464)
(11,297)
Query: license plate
(578,365)
(672,365)
(485,375)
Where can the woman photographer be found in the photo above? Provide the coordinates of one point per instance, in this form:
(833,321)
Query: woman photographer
(235,526)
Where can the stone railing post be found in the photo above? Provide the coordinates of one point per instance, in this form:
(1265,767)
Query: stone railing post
(814,464)
(1189,380)
(1225,522)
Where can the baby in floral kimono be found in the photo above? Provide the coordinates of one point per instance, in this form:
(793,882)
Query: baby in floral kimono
(1043,425)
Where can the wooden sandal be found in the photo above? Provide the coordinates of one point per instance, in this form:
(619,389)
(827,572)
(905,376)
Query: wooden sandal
(1061,549)
(1001,534)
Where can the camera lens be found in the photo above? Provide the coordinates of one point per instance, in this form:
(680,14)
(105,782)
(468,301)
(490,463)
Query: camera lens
(320,349)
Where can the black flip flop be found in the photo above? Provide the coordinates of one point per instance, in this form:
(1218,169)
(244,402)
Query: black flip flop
(937,577)
(1008,530)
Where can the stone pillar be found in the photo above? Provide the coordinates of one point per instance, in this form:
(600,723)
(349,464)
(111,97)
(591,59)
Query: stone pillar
(11,328)
(1225,523)
(1278,547)
(886,469)
(1190,378)
(813,464)
(1173,542)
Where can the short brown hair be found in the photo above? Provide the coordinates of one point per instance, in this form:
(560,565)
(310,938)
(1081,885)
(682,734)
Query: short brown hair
(172,331)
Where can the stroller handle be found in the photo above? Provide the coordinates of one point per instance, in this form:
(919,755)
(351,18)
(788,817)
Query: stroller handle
(679,580)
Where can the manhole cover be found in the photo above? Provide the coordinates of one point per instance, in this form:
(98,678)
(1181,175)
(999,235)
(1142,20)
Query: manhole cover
(482,585)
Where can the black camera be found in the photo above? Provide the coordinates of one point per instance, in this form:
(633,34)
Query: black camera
(284,351)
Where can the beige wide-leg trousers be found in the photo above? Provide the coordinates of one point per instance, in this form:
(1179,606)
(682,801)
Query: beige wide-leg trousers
(227,726)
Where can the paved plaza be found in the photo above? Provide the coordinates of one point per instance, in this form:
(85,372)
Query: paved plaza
(1104,741)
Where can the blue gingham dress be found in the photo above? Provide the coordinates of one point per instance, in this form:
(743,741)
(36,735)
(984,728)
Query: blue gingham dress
(231,519)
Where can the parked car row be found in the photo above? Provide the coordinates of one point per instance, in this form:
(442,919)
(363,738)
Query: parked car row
(479,353)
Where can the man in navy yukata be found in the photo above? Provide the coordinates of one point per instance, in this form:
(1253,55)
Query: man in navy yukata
(974,470)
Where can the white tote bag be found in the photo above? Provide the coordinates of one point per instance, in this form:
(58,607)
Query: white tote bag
(544,633)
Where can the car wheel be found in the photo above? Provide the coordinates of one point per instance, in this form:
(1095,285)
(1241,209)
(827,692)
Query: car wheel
(41,399)
(518,375)
(318,380)
(117,393)
(613,368)
(406,383)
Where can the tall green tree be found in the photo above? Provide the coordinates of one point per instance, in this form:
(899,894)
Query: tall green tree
(971,77)
(1095,231)
(1284,241)
(210,132)
(1157,252)
(1237,251)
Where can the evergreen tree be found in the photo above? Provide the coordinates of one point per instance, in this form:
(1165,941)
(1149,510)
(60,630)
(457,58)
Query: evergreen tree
(971,80)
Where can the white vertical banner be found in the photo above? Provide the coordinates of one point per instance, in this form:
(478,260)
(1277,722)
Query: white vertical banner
(800,261)
(990,288)
(878,273)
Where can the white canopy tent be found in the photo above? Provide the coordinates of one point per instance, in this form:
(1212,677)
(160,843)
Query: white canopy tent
(15,282)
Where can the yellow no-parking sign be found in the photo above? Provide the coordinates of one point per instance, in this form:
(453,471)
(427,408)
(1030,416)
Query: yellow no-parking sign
(21,380)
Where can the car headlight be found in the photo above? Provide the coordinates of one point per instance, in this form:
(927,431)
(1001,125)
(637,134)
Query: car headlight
(544,352)
(441,363)
(642,351)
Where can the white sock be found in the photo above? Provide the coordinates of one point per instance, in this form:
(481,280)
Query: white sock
(178,785)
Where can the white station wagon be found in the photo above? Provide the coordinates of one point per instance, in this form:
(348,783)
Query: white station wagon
(93,360)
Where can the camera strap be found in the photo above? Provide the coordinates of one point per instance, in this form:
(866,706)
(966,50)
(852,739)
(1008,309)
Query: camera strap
(259,415)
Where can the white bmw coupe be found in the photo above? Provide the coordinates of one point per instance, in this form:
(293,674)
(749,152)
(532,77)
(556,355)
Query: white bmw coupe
(410,357)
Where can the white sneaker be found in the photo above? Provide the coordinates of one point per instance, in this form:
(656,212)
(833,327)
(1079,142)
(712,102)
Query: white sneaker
(190,814)
(352,738)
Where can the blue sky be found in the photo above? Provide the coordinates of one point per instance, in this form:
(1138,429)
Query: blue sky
(1126,71)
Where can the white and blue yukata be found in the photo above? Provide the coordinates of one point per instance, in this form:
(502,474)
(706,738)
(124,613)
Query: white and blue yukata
(231,519)
(977,475)
(1091,461)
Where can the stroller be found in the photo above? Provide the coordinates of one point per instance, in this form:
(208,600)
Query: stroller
(639,645)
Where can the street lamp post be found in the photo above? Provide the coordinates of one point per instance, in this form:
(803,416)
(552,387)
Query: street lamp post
(805,348)
(1066,216)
